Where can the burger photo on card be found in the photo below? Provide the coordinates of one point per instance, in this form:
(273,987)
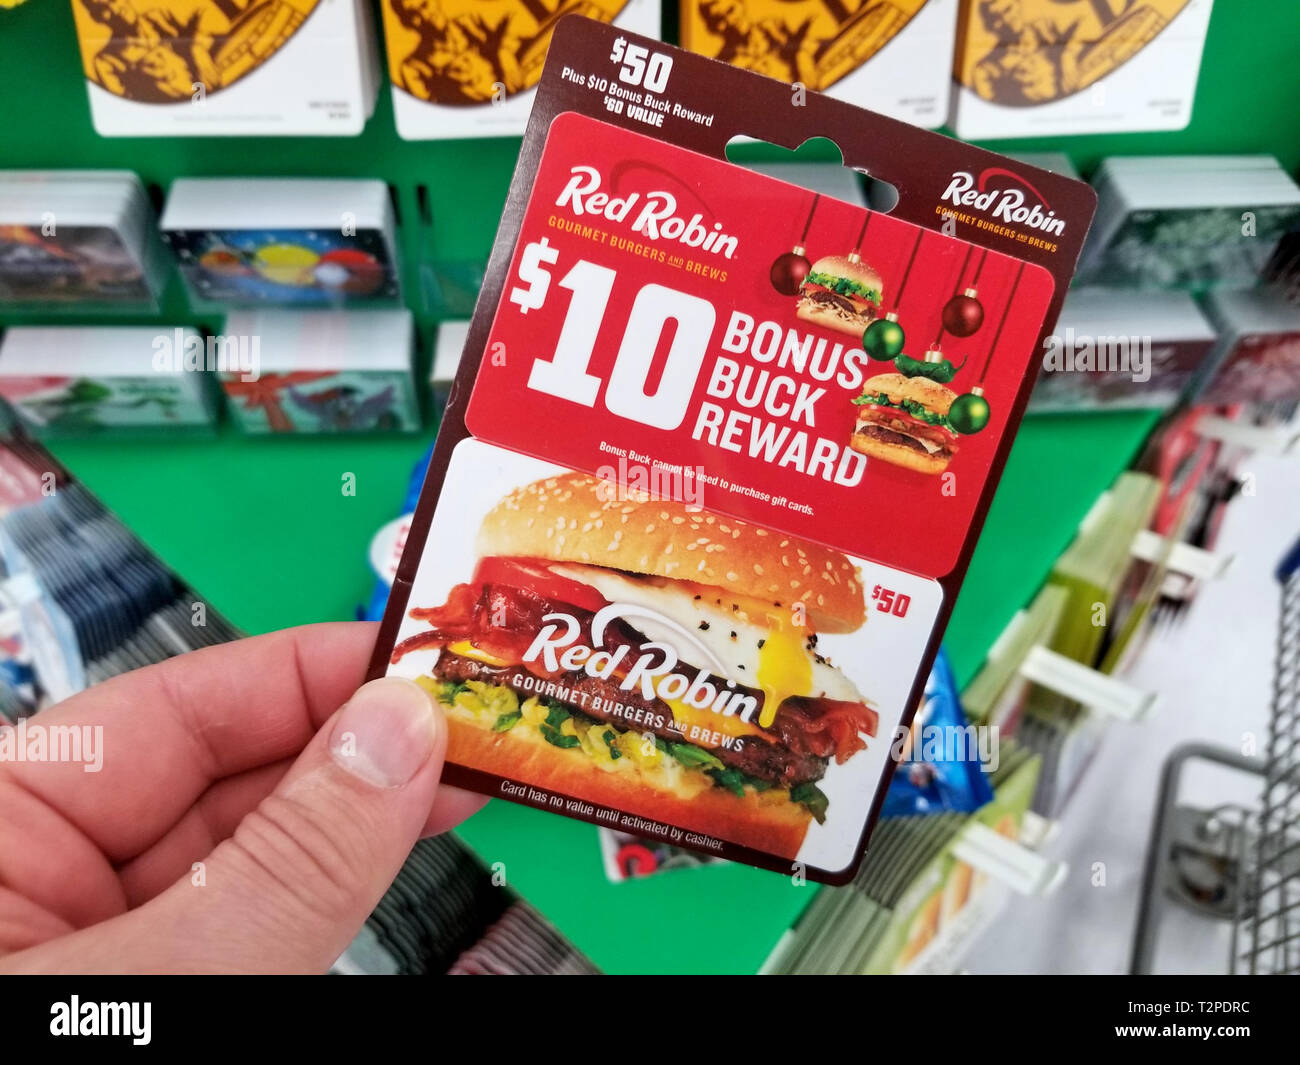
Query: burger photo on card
(842,293)
(645,654)
(166,51)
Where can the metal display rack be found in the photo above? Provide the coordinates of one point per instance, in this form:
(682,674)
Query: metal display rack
(1235,863)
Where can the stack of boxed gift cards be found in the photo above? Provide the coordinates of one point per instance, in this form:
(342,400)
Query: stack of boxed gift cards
(322,371)
(92,600)
(879,54)
(1035,68)
(1116,349)
(461,71)
(1198,480)
(1094,572)
(312,242)
(916,904)
(1093,567)
(997,694)
(78,237)
(1187,221)
(1257,358)
(186,68)
(88,379)
(445,913)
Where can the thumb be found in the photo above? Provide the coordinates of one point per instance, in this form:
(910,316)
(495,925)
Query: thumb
(290,888)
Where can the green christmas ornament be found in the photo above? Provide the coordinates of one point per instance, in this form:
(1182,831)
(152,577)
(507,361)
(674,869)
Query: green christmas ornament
(969,413)
(883,339)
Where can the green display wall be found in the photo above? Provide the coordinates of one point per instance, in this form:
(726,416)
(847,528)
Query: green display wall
(263,529)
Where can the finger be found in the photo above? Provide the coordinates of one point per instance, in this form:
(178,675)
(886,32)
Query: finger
(170,731)
(217,813)
(289,889)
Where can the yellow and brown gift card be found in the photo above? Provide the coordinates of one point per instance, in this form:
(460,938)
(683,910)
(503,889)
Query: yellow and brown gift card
(222,67)
(467,68)
(879,54)
(1027,68)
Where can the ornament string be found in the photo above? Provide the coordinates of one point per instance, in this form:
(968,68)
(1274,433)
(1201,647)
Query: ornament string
(907,272)
(857,248)
(803,239)
(997,336)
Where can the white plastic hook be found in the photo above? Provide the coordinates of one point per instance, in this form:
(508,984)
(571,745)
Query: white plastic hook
(1097,691)
(1186,559)
(1007,861)
(1271,440)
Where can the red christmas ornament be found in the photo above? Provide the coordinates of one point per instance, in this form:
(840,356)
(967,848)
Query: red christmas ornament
(963,314)
(789,270)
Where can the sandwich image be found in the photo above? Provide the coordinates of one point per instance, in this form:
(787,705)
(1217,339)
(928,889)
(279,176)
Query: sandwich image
(641,654)
(904,421)
(840,292)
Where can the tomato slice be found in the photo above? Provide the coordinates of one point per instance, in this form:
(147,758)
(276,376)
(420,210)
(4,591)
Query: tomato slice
(940,431)
(536,576)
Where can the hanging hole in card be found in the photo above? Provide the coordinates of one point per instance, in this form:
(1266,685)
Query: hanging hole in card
(817,164)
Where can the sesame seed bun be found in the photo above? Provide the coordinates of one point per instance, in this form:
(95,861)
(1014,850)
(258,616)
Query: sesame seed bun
(574,517)
(930,394)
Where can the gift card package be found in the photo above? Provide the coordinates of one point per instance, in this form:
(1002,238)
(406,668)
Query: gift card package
(880,54)
(193,68)
(1038,68)
(89,379)
(1116,349)
(1193,222)
(78,239)
(1257,357)
(460,71)
(716,456)
(283,242)
(322,371)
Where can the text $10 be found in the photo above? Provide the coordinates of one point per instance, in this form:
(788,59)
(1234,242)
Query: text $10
(566,373)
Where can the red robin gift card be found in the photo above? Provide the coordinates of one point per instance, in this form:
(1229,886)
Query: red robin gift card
(658,309)
(716,458)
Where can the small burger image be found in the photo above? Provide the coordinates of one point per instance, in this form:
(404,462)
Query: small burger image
(840,292)
(904,421)
(641,654)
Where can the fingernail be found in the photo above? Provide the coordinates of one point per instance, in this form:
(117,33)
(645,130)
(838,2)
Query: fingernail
(386,732)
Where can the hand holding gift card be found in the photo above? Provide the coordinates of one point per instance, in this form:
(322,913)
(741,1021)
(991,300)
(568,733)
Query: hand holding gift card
(714,460)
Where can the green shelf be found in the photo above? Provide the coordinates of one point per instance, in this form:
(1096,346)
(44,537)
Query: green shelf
(263,529)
